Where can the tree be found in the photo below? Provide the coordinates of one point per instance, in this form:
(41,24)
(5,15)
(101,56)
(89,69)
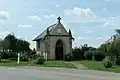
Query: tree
(14,44)
(76,54)
(79,53)
(1,42)
(9,42)
(112,46)
(22,45)
(89,55)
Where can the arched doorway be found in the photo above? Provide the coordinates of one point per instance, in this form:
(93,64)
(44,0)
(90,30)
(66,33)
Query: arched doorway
(59,50)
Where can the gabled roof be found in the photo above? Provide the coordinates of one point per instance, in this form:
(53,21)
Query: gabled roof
(44,33)
(50,29)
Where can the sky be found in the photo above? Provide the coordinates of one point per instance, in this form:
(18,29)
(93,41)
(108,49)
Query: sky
(92,22)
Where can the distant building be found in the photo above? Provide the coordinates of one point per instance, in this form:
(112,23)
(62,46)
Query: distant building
(55,41)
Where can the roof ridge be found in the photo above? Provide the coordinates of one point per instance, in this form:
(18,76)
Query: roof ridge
(43,34)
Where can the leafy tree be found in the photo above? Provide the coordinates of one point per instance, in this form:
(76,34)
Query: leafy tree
(112,47)
(77,54)
(9,42)
(89,55)
(14,44)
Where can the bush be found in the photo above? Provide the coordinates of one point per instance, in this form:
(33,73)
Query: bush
(88,55)
(117,62)
(8,55)
(4,55)
(77,54)
(24,57)
(107,63)
(99,56)
(12,55)
(0,58)
(68,57)
(40,59)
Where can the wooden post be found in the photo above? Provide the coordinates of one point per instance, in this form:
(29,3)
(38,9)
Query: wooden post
(18,60)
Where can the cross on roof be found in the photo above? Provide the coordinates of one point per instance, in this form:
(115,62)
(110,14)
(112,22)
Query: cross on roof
(59,18)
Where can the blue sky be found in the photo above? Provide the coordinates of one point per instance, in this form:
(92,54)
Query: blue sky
(91,21)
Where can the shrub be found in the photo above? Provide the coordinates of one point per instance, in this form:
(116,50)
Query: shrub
(68,57)
(35,56)
(88,55)
(12,55)
(107,63)
(99,56)
(24,57)
(77,54)
(0,58)
(117,62)
(4,55)
(40,59)
(8,55)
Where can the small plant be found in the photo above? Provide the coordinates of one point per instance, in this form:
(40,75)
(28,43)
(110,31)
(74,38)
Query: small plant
(40,59)
(24,57)
(68,57)
(0,58)
(118,62)
(107,63)
(88,55)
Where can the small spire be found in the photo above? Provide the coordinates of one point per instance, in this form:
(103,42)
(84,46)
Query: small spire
(70,32)
(59,18)
(47,31)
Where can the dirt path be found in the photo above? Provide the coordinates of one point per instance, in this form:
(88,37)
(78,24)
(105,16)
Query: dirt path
(78,65)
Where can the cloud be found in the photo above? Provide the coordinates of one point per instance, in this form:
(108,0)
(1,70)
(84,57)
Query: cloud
(87,32)
(77,41)
(104,9)
(4,15)
(80,12)
(103,38)
(24,26)
(80,38)
(99,38)
(57,5)
(80,15)
(111,23)
(49,16)
(36,18)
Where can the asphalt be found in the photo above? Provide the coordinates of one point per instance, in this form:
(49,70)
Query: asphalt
(45,73)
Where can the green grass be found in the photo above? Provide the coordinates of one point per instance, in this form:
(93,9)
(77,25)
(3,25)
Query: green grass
(58,64)
(14,63)
(46,64)
(115,69)
(98,65)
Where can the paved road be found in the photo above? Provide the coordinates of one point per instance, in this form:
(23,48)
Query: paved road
(12,73)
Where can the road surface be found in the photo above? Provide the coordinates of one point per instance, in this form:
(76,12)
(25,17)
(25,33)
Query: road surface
(30,73)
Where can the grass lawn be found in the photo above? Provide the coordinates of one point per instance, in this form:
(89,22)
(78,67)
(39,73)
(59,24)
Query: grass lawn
(46,64)
(14,63)
(98,65)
